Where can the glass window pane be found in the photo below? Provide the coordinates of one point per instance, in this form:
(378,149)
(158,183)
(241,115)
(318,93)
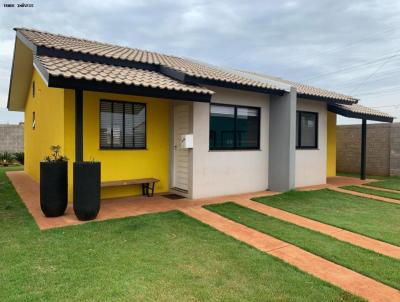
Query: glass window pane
(117,124)
(105,124)
(247,128)
(128,133)
(308,128)
(139,126)
(297,129)
(222,126)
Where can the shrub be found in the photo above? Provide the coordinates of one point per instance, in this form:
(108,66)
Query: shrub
(6,158)
(19,157)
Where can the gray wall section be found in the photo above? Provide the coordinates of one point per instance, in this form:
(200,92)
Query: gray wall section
(12,138)
(282,139)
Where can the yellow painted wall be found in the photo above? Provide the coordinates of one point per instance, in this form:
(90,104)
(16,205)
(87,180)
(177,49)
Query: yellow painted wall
(331,148)
(122,164)
(69,134)
(48,105)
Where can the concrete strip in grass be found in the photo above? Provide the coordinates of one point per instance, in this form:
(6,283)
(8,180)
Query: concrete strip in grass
(338,233)
(365,195)
(326,270)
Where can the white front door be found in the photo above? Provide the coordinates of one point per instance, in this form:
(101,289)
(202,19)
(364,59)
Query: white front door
(181,156)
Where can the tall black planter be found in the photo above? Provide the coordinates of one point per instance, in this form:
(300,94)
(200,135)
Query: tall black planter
(53,188)
(86,190)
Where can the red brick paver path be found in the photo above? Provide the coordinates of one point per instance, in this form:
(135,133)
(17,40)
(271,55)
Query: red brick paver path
(365,195)
(337,181)
(28,190)
(338,275)
(338,233)
(132,206)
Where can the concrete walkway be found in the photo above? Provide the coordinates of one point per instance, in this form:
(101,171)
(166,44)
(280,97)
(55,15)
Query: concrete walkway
(365,195)
(328,271)
(338,233)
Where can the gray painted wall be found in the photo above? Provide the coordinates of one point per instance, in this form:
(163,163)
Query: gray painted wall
(282,139)
(12,138)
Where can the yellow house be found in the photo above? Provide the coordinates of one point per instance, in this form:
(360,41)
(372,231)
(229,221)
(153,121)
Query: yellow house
(201,130)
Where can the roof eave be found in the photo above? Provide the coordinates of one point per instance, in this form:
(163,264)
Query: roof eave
(350,114)
(21,73)
(326,99)
(106,87)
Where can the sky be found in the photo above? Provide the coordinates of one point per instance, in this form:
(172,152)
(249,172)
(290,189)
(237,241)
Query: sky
(351,47)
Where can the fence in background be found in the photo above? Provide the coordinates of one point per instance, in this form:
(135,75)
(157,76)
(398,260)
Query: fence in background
(12,138)
(383,149)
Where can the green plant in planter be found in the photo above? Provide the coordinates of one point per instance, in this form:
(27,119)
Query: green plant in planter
(6,158)
(55,155)
(54,183)
(19,157)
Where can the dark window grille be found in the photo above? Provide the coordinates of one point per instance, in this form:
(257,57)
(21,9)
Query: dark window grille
(234,127)
(122,125)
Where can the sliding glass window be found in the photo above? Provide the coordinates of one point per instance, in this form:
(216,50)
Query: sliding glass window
(234,127)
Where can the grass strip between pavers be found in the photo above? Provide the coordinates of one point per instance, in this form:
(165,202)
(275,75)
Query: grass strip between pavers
(364,261)
(371,191)
(365,216)
(156,257)
(393,183)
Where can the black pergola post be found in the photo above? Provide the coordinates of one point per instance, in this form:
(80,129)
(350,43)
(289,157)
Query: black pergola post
(363,149)
(78,125)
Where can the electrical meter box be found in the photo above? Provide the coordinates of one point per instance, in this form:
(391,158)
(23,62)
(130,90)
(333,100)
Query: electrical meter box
(186,141)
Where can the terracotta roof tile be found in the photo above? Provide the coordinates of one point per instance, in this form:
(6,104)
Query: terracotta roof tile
(189,67)
(359,109)
(114,74)
(310,90)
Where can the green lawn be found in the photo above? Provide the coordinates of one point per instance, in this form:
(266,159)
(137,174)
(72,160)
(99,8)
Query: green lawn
(386,182)
(369,217)
(357,175)
(371,191)
(366,262)
(160,257)
(392,183)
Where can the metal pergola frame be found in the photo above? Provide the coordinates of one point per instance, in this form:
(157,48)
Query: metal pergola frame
(338,109)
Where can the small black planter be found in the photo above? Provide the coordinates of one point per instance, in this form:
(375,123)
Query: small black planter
(86,190)
(53,188)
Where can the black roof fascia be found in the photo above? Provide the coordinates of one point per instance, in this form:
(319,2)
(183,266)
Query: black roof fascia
(71,83)
(348,113)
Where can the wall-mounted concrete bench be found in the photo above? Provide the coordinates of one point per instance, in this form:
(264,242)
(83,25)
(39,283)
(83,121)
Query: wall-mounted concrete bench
(147,184)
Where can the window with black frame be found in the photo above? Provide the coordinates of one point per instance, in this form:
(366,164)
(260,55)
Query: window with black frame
(307,130)
(234,127)
(122,125)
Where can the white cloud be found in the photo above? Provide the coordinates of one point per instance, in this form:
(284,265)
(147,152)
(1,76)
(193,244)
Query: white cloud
(298,40)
